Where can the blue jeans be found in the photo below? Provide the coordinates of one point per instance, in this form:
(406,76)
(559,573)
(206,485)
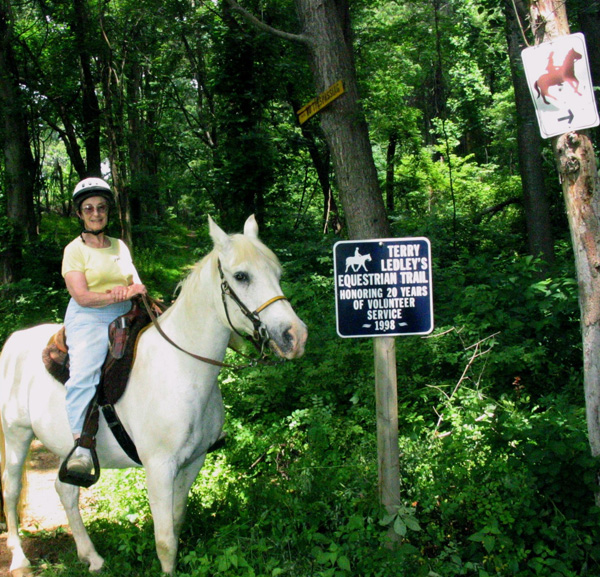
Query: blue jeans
(87,339)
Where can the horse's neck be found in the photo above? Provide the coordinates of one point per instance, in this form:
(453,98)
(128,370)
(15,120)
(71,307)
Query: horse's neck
(193,323)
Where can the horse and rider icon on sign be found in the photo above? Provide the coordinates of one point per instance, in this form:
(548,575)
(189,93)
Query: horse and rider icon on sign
(383,287)
(558,75)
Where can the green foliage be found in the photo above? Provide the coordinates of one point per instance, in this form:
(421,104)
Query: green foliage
(533,322)
(40,295)
(508,488)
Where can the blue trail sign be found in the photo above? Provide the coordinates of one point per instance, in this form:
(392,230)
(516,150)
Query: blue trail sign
(383,287)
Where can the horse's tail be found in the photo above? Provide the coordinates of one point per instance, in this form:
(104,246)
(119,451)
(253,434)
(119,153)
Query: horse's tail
(537,89)
(2,457)
(2,463)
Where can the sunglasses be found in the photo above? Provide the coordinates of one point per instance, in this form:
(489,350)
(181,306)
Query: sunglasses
(90,208)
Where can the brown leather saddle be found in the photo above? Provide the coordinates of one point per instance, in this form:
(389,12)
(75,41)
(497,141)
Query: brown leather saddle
(123,336)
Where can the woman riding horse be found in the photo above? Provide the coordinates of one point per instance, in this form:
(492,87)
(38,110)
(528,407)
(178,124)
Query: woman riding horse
(101,279)
(172,408)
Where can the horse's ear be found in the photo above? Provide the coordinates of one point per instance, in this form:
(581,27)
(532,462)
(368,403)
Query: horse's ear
(251,227)
(219,237)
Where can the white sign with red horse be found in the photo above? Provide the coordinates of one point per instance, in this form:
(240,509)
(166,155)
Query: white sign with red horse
(558,75)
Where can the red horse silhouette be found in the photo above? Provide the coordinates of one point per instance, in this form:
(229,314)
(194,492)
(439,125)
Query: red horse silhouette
(558,75)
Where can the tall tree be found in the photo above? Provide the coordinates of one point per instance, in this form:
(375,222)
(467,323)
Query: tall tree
(540,240)
(19,165)
(86,34)
(576,164)
(244,156)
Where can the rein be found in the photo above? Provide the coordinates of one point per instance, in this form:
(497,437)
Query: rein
(259,339)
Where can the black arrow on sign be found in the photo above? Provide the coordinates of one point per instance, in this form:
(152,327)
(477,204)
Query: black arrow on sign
(569,117)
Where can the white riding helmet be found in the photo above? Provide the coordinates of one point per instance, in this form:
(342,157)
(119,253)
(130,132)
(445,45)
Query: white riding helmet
(91,187)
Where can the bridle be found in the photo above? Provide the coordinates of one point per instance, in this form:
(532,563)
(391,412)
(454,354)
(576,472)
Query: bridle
(260,336)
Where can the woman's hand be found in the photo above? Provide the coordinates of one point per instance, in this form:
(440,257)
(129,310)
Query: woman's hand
(119,294)
(125,293)
(136,289)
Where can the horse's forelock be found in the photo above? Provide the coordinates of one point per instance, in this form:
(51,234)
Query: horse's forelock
(249,250)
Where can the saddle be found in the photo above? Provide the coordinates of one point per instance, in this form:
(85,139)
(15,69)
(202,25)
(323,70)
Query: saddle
(123,333)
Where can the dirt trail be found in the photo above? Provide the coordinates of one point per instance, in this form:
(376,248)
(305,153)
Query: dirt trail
(43,510)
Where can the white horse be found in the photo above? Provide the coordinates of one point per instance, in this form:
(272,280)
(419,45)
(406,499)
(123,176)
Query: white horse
(172,408)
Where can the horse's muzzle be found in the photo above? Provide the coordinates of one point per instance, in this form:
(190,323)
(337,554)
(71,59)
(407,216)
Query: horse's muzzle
(290,342)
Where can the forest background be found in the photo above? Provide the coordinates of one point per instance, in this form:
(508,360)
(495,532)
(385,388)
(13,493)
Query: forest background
(189,111)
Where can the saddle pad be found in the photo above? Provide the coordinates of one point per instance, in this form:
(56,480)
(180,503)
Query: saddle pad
(55,357)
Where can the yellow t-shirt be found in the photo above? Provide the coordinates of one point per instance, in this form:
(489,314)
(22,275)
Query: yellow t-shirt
(104,268)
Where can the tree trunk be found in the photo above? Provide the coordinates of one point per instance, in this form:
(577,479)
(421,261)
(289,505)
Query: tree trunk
(589,22)
(325,24)
(19,165)
(576,164)
(540,241)
(90,106)
(245,169)
(116,142)
(321,161)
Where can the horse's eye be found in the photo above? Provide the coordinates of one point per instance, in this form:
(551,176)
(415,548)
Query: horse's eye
(241,276)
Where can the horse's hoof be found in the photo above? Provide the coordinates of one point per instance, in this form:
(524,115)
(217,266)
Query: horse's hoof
(97,565)
(20,565)
(21,572)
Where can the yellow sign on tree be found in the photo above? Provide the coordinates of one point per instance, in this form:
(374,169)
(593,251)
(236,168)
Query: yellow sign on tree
(320,102)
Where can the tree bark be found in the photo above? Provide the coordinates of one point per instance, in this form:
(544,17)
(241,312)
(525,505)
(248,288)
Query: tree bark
(19,165)
(90,106)
(116,141)
(589,22)
(540,241)
(576,164)
(390,170)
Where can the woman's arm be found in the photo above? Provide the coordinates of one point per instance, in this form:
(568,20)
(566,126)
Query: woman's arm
(78,289)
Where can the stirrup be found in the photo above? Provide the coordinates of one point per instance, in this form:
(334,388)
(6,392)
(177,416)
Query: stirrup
(79,479)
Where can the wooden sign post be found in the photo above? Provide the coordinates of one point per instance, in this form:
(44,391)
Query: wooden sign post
(383,289)
(386,400)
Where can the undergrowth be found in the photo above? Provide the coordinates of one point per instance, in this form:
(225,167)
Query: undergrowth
(496,475)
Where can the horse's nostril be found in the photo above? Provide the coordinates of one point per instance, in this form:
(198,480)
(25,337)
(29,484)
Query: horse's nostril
(288,337)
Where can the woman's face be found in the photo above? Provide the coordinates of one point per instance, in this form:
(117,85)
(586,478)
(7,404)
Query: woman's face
(94,212)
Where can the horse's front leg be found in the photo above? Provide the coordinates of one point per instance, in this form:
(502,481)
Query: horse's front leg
(160,480)
(183,483)
(69,497)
